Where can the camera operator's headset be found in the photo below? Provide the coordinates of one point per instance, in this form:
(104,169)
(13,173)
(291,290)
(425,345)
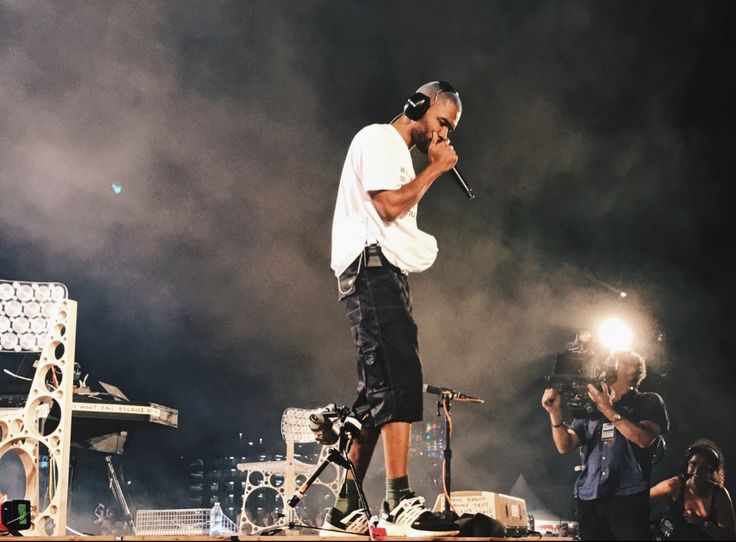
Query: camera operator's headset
(710,454)
(418,103)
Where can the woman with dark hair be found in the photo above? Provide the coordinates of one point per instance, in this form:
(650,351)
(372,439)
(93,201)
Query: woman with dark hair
(700,507)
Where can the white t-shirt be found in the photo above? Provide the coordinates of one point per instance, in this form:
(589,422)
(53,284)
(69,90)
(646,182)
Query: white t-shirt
(378,159)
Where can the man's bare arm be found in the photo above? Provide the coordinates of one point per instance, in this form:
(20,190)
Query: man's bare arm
(391,204)
(566,440)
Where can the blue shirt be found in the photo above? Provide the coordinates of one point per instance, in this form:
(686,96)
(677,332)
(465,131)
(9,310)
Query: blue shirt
(613,465)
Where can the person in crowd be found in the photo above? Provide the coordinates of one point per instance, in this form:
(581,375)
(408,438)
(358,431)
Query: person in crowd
(699,506)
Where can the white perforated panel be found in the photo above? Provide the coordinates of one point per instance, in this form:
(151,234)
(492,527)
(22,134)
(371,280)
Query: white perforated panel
(25,311)
(295,425)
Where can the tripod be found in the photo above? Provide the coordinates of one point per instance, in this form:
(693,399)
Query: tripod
(349,431)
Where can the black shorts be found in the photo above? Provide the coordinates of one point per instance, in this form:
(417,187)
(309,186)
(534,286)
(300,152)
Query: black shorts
(385,336)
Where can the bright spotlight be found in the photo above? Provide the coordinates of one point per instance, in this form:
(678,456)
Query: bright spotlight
(615,335)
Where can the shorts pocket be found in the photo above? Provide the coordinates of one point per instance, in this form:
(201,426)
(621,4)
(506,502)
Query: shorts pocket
(371,365)
(346,285)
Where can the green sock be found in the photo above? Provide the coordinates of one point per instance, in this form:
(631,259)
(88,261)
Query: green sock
(396,489)
(347,501)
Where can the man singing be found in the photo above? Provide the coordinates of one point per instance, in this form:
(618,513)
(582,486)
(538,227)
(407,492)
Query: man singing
(612,490)
(375,244)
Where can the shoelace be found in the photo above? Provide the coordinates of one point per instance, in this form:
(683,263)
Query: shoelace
(410,511)
(358,524)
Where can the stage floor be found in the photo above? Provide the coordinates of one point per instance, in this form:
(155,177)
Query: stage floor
(300,538)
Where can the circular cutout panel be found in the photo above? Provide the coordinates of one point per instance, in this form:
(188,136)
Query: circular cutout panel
(255,478)
(52,377)
(59,350)
(263,505)
(13,475)
(46,415)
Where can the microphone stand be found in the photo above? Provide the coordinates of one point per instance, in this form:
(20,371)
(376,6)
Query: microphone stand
(445,403)
(117,492)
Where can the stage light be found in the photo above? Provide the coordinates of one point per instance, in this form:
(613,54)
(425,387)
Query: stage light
(38,326)
(13,308)
(623,294)
(615,335)
(24,293)
(43,293)
(28,341)
(6,291)
(32,309)
(21,325)
(116,189)
(8,341)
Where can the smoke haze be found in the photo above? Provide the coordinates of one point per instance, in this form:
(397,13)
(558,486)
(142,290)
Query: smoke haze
(597,137)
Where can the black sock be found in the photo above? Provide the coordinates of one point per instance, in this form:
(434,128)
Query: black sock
(347,501)
(396,489)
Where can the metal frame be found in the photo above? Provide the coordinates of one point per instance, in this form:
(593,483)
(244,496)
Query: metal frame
(23,431)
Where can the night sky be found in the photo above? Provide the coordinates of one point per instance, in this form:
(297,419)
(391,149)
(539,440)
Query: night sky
(597,136)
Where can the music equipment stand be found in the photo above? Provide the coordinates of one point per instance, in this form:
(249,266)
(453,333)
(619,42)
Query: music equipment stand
(445,404)
(349,432)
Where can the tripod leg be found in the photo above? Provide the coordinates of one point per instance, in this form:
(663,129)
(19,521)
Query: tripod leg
(299,495)
(361,494)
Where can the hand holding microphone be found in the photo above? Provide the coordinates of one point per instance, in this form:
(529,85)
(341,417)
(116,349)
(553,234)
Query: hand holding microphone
(443,154)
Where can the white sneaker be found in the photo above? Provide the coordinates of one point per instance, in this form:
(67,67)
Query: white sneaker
(411,518)
(337,524)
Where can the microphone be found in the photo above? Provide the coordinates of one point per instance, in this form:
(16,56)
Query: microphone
(434,390)
(321,426)
(462,184)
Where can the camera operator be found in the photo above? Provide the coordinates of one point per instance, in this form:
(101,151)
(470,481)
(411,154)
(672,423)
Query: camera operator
(612,491)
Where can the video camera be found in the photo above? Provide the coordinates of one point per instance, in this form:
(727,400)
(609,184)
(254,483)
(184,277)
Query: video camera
(574,369)
(322,422)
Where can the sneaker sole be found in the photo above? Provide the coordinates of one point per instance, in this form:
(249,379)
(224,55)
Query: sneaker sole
(392,529)
(414,533)
(402,530)
(337,533)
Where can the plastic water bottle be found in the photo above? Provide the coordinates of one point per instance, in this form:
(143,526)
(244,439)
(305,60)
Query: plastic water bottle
(216,515)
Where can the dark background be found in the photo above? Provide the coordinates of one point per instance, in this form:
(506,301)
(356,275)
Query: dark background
(598,137)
